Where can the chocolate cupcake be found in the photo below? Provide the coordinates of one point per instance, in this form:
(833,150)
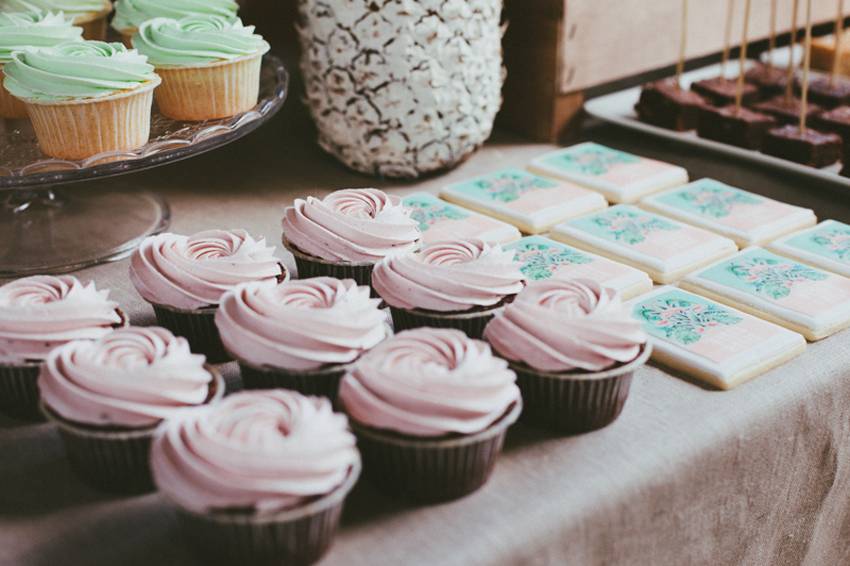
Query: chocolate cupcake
(346,233)
(107,397)
(38,314)
(430,408)
(300,334)
(574,349)
(259,478)
(453,284)
(184,277)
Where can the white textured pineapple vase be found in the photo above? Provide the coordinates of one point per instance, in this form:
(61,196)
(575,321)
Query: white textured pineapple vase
(400,88)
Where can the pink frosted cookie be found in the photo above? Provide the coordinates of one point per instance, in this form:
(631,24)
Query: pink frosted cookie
(531,203)
(747,218)
(715,343)
(665,249)
(826,245)
(440,221)
(619,176)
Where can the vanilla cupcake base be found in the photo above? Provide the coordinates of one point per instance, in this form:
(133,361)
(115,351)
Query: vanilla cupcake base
(77,129)
(94,23)
(10,107)
(213,90)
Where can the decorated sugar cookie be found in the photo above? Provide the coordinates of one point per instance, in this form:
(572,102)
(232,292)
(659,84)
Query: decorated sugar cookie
(440,220)
(826,245)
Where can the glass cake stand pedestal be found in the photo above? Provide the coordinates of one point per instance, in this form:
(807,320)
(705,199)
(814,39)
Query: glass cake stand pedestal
(51,223)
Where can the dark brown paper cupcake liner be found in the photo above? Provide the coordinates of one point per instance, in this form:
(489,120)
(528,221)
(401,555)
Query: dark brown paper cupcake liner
(294,537)
(311,266)
(576,402)
(111,459)
(19,391)
(471,323)
(428,470)
(198,327)
(320,382)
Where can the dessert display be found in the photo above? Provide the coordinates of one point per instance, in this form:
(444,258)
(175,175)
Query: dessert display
(746,218)
(300,334)
(619,176)
(663,248)
(131,14)
(84,97)
(451,284)
(209,65)
(440,220)
(346,233)
(107,396)
(542,258)
(740,127)
(89,15)
(185,277)
(806,146)
(800,297)
(530,202)
(826,246)
(715,343)
(258,478)
(720,91)
(786,110)
(666,104)
(430,408)
(37,315)
(574,349)
(22,30)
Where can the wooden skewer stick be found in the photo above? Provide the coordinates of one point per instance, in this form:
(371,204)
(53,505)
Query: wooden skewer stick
(839,38)
(727,33)
(771,34)
(739,91)
(804,95)
(683,38)
(789,77)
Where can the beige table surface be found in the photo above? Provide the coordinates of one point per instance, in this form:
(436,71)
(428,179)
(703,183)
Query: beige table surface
(758,475)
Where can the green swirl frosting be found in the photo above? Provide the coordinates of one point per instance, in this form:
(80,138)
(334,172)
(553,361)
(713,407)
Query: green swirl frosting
(130,14)
(75,69)
(19,30)
(195,40)
(71,8)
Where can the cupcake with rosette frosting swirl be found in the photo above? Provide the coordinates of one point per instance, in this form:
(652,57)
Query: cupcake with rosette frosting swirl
(347,232)
(25,30)
(185,277)
(254,472)
(38,314)
(430,407)
(301,334)
(574,347)
(89,15)
(209,64)
(458,284)
(131,14)
(107,397)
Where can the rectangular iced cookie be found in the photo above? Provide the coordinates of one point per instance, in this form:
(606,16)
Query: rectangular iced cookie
(747,218)
(664,248)
(619,176)
(440,220)
(800,297)
(543,258)
(530,202)
(712,342)
(826,245)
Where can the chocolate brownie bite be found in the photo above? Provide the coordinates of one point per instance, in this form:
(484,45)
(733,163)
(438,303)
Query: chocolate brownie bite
(664,103)
(809,147)
(826,93)
(837,121)
(741,127)
(769,80)
(721,91)
(786,110)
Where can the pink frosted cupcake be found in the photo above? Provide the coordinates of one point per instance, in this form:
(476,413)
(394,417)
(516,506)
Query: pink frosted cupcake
(38,314)
(430,408)
(301,334)
(457,284)
(259,478)
(107,397)
(574,349)
(184,277)
(346,233)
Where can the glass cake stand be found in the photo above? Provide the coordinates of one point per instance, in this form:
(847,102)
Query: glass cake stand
(50,223)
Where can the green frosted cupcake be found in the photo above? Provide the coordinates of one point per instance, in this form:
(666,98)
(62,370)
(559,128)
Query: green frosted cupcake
(90,15)
(130,14)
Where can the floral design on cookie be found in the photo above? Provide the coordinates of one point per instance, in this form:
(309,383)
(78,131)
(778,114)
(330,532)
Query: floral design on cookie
(716,201)
(632,227)
(835,242)
(429,213)
(772,277)
(541,261)
(595,160)
(683,321)
(511,185)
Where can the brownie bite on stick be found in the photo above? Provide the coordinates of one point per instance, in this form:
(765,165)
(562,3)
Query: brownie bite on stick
(666,104)
(786,109)
(721,91)
(740,127)
(806,146)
